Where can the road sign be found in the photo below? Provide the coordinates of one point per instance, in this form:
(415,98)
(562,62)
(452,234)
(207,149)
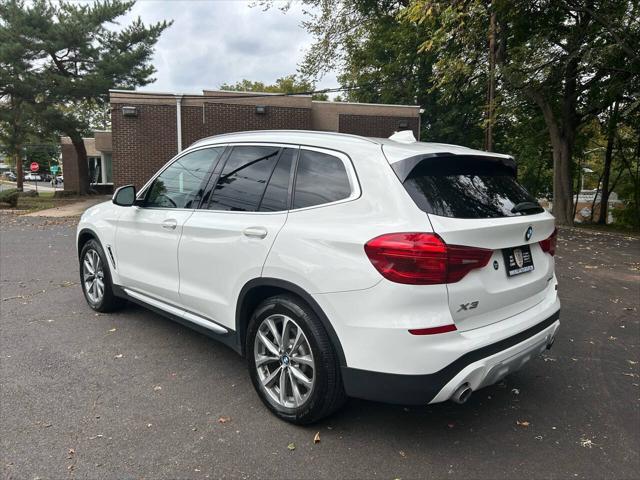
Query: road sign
(34,167)
(54,169)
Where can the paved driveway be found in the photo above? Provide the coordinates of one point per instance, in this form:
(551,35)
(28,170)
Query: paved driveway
(132,395)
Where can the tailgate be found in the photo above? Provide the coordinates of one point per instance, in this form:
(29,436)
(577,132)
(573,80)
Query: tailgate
(473,199)
(489,294)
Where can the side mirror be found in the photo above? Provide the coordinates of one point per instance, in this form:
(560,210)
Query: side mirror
(124,196)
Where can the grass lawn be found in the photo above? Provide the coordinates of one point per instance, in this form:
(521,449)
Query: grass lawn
(43,201)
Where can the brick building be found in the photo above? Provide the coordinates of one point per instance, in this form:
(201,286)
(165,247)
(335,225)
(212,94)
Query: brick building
(148,129)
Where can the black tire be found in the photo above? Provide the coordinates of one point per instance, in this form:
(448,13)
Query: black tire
(108,302)
(327,394)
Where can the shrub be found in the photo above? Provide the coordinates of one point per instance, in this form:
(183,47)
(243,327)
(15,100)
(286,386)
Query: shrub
(9,197)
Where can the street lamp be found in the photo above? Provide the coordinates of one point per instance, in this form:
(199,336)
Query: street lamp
(585,170)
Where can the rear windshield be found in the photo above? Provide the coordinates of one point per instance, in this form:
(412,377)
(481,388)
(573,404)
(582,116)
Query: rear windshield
(468,188)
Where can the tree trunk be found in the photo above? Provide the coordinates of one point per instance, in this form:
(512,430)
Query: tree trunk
(608,158)
(562,183)
(562,148)
(83,165)
(19,172)
(491,89)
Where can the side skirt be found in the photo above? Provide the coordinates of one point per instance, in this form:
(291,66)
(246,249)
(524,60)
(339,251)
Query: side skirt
(179,315)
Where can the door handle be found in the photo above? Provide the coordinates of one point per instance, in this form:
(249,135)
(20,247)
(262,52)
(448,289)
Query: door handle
(170,224)
(255,232)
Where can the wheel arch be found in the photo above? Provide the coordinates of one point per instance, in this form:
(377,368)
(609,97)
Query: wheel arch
(84,236)
(259,289)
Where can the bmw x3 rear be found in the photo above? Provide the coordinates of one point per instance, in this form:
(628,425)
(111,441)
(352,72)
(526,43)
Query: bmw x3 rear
(339,266)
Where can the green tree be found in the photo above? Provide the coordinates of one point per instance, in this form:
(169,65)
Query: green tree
(571,58)
(18,84)
(75,56)
(288,84)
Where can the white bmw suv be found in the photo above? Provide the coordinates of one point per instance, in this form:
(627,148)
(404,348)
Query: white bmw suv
(338,265)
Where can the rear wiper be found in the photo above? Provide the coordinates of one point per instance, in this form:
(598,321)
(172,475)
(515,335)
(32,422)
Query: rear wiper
(524,207)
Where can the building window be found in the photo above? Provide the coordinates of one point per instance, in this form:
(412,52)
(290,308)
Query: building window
(95,169)
(100,171)
(107,173)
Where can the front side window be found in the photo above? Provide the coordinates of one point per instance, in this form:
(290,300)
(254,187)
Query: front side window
(180,184)
(244,178)
(320,178)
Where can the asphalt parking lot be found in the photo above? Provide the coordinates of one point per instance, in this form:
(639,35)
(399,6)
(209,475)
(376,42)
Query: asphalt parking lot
(133,395)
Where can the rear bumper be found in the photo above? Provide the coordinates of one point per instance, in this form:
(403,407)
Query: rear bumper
(477,368)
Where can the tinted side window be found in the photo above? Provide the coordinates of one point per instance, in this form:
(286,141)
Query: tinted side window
(276,196)
(179,186)
(244,178)
(320,178)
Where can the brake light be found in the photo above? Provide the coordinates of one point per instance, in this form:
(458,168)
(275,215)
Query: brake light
(423,258)
(549,244)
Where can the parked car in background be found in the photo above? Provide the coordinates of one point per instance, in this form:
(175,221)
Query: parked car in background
(383,269)
(33,177)
(10,176)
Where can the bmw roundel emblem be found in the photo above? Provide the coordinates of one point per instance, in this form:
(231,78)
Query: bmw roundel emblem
(529,233)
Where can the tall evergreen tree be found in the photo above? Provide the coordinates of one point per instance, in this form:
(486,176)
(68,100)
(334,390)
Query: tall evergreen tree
(75,55)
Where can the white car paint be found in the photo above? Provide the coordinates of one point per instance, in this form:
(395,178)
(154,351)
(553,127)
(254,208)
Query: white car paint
(199,268)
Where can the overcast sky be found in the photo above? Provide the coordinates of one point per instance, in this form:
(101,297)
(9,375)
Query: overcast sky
(212,42)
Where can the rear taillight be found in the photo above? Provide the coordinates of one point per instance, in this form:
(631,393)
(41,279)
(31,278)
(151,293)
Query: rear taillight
(423,258)
(549,244)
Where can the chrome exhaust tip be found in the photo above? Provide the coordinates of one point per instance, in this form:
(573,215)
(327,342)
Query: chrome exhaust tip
(550,343)
(462,394)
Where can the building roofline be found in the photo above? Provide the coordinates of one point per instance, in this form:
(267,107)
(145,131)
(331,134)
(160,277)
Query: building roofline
(140,92)
(262,94)
(367,104)
(255,94)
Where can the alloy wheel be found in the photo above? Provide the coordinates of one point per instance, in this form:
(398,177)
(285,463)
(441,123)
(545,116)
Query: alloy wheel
(93,276)
(284,361)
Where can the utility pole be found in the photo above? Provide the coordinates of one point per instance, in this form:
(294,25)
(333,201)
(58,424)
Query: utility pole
(491,90)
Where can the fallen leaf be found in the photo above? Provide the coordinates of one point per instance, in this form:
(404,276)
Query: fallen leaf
(291,446)
(522,423)
(316,438)
(156,388)
(224,419)
(586,442)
